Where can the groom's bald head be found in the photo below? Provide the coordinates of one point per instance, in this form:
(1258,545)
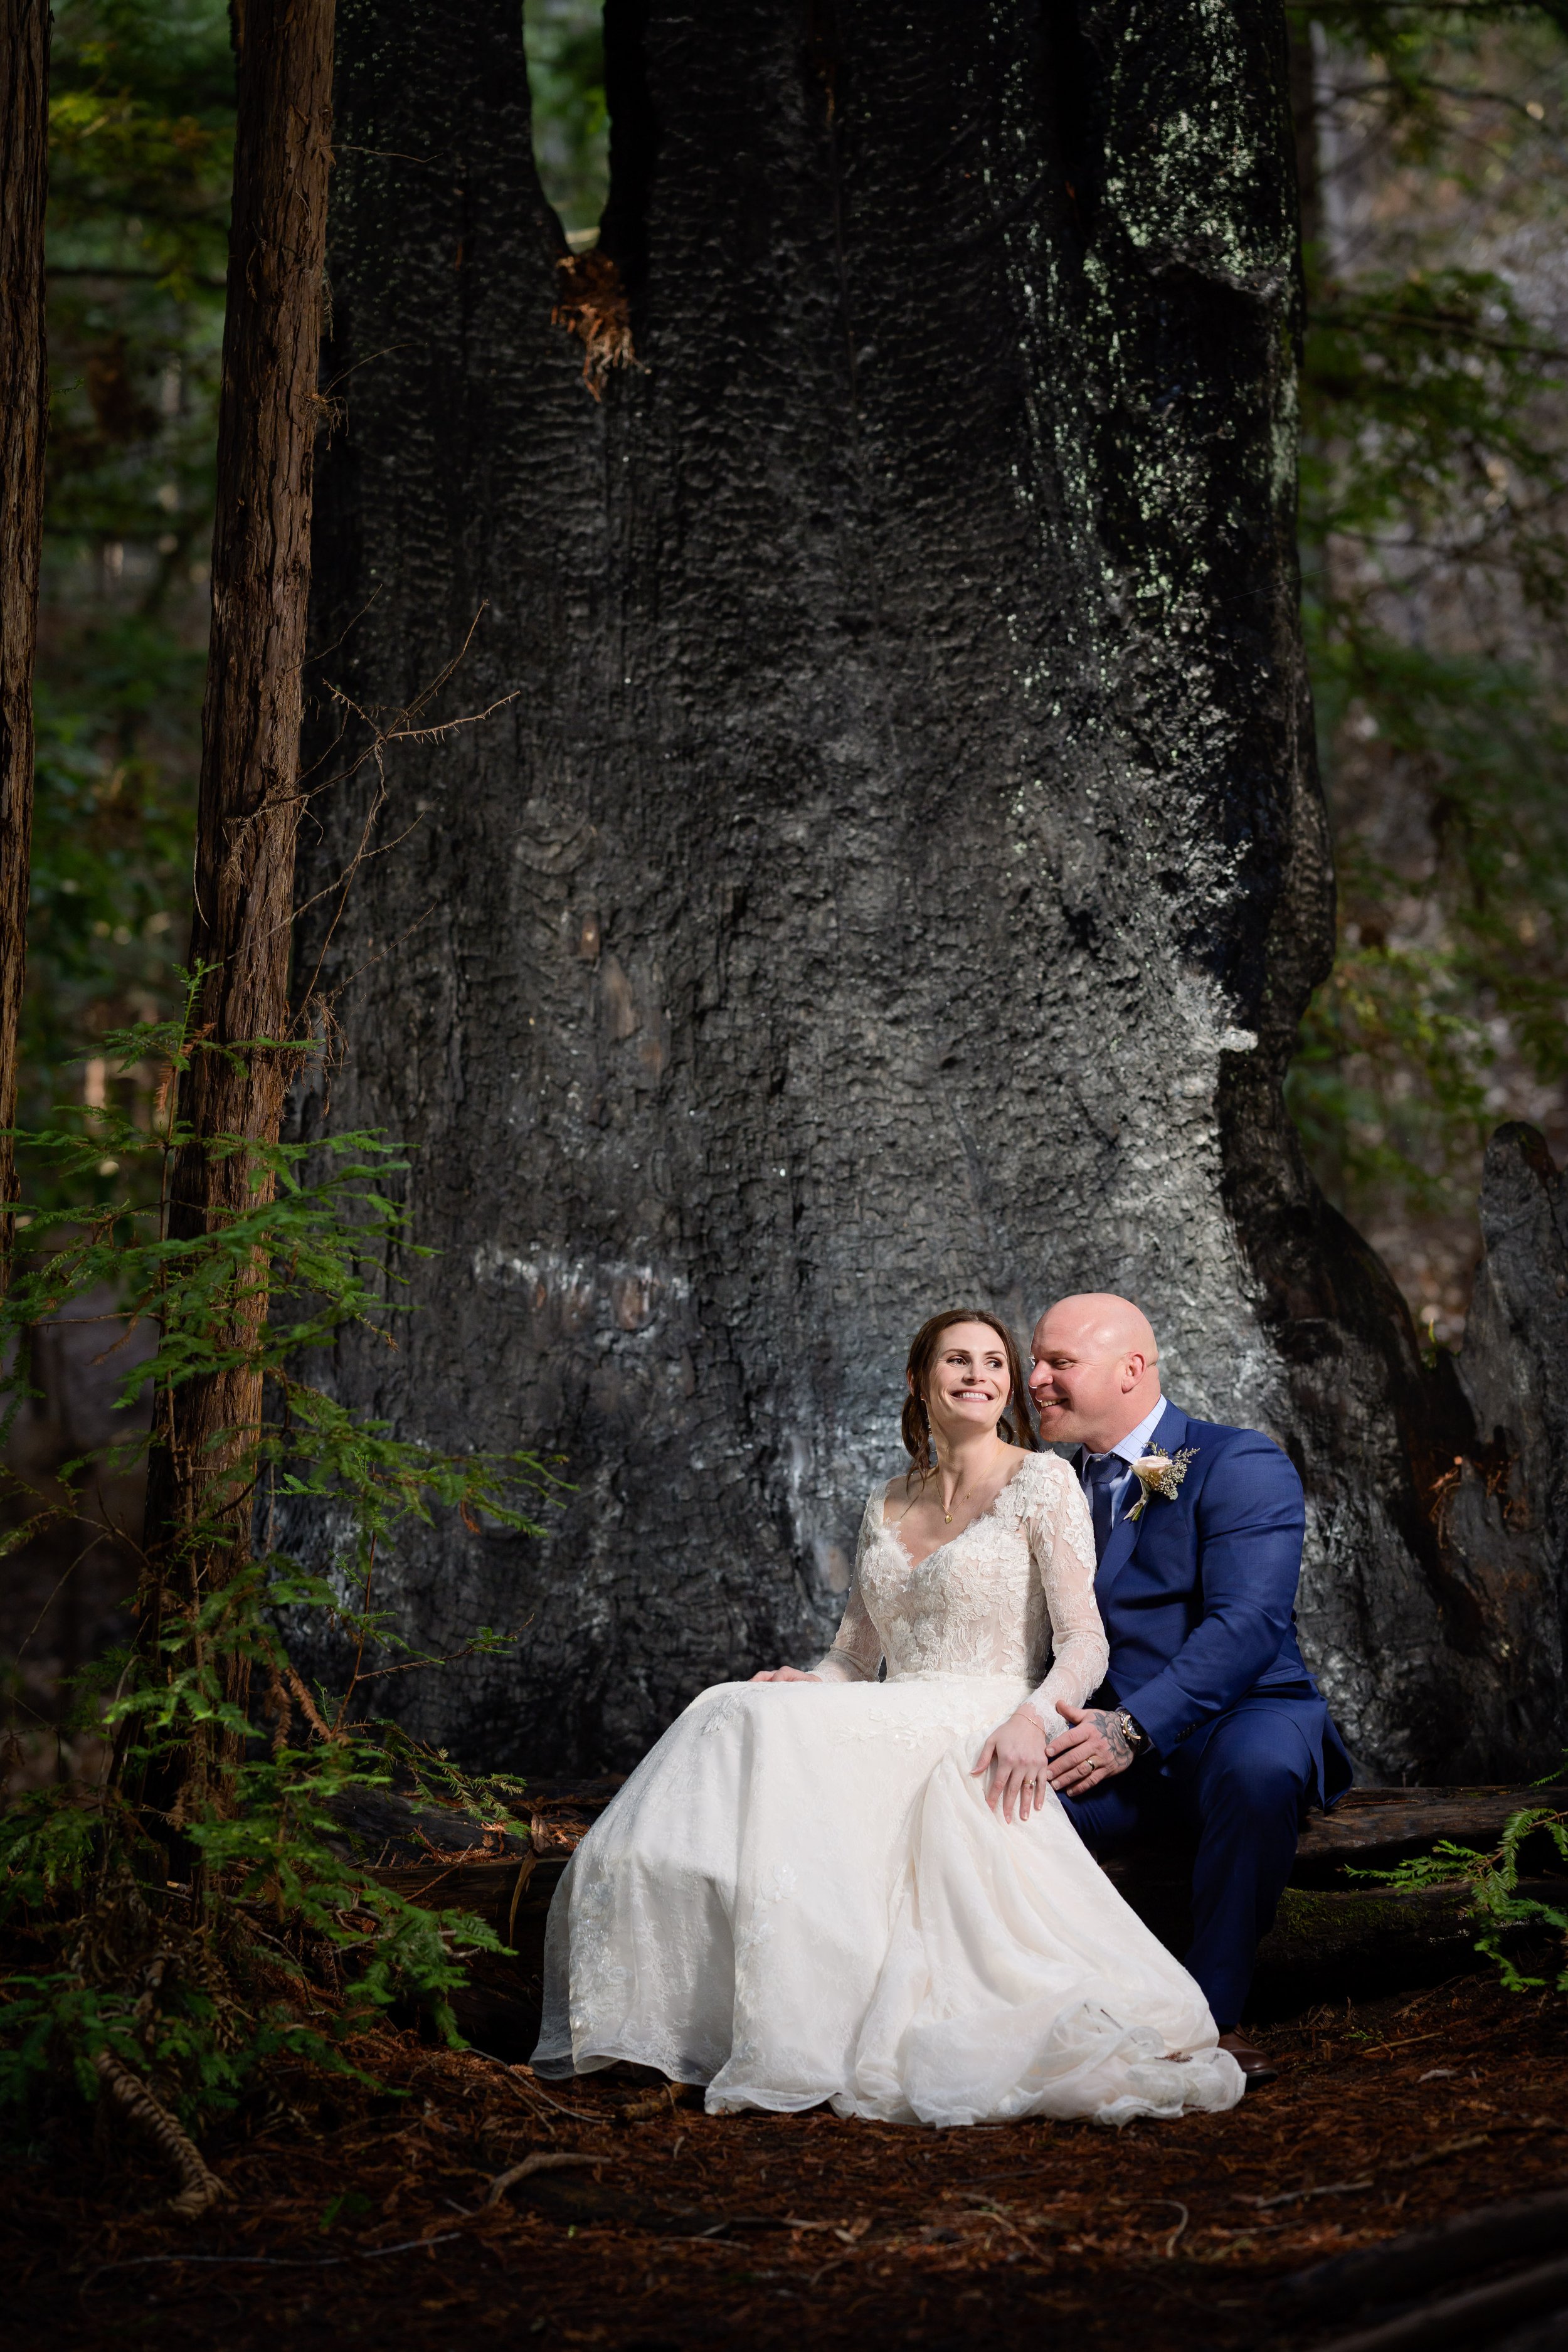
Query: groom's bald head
(1098,1319)
(1095,1368)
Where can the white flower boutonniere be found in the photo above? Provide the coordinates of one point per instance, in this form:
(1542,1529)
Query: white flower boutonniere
(1160,1474)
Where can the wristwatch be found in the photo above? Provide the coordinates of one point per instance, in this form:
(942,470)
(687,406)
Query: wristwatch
(1135,1736)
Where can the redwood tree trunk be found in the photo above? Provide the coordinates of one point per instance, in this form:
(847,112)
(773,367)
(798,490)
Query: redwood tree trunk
(24,415)
(900,874)
(249,809)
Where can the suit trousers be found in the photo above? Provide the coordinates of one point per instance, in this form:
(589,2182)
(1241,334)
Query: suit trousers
(1240,1787)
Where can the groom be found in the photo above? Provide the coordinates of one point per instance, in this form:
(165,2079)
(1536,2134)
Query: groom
(1208,1719)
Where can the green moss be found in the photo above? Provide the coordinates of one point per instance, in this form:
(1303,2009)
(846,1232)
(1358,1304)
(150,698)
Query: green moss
(1334,1921)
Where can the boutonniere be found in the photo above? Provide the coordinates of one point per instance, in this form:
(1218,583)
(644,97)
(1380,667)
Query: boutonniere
(1160,1474)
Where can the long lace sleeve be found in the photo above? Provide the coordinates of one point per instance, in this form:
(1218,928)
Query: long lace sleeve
(1061,1544)
(857,1651)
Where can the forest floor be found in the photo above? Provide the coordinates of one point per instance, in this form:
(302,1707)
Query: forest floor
(361,2218)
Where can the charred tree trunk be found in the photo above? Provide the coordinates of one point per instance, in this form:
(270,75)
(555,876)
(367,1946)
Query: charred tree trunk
(248,807)
(901,872)
(24,417)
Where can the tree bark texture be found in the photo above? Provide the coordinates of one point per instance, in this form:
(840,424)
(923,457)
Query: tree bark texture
(900,875)
(23,419)
(250,799)
(1503,1500)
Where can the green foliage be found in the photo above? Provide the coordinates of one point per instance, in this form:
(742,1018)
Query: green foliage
(141,121)
(272,1944)
(199,1987)
(1423,401)
(566,45)
(430,1774)
(1434,558)
(141,134)
(1391,1085)
(189,1934)
(112,852)
(1493,1881)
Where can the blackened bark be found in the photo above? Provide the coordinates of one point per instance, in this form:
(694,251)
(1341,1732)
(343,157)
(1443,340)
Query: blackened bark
(23,416)
(900,875)
(249,805)
(1503,1500)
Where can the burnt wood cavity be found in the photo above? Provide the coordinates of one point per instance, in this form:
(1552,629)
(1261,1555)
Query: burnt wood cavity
(899,868)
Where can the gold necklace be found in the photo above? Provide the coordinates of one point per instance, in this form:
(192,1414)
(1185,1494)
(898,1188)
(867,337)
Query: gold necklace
(947,1515)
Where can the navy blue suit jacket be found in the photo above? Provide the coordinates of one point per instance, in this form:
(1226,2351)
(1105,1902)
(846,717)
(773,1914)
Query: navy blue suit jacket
(1198,1596)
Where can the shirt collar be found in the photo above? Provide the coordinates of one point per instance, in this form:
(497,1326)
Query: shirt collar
(1135,1445)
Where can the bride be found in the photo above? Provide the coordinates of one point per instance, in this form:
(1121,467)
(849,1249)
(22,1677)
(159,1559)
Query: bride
(829,1886)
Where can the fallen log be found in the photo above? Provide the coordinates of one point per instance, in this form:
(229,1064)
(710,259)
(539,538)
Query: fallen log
(1331,1938)
(1369,1828)
(1328,1946)
(1477,2315)
(499,2008)
(1419,2260)
(447,1857)
(394,1829)
(1374,1828)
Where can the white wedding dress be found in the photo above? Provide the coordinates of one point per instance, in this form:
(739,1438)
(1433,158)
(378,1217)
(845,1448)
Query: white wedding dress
(801,1894)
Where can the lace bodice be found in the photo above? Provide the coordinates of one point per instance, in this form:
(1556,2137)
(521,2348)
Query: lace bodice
(1013,1587)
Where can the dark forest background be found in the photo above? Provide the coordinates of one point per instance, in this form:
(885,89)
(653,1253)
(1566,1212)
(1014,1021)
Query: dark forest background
(1434,546)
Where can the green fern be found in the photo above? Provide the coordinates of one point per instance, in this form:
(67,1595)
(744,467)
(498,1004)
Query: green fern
(1495,1902)
(197,1941)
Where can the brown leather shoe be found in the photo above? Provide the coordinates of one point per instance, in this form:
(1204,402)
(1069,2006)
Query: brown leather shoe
(1254,2062)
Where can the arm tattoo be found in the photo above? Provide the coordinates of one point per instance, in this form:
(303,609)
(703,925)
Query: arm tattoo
(1111,1731)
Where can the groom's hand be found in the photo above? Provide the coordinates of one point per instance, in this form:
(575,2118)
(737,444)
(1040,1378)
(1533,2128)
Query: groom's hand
(1092,1749)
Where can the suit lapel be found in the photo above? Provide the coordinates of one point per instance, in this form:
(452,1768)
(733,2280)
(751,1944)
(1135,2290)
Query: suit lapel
(1168,1432)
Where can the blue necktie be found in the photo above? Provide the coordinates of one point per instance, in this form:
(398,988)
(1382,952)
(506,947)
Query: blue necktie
(1103,1474)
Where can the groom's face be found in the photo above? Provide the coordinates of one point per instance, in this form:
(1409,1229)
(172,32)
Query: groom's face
(1078,1380)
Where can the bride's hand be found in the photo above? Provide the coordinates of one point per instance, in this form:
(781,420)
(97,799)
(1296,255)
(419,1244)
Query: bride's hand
(1014,1756)
(786,1674)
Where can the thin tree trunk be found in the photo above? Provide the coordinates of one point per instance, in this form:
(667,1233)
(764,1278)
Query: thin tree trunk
(1304,121)
(248,808)
(24,413)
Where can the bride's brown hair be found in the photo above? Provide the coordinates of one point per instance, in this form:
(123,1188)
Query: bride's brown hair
(1015,1426)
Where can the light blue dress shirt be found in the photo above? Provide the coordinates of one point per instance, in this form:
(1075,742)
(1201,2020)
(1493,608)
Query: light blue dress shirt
(1132,1448)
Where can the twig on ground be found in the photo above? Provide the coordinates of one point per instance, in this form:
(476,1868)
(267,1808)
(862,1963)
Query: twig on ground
(1291,2196)
(578,2114)
(989,2210)
(544,2159)
(1176,2233)
(280,2262)
(1476,2139)
(656,2103)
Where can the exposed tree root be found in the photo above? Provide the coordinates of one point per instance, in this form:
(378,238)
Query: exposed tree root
(202,2188)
